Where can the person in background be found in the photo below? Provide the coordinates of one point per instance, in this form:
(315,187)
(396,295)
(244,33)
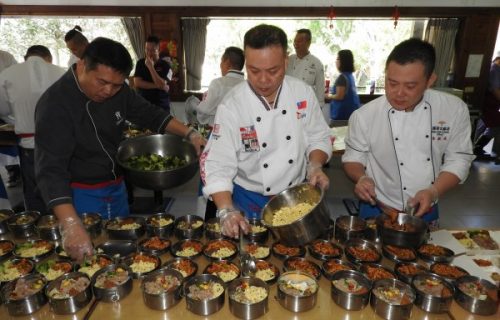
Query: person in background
(344,97)
(21,85)
(269,135)
(76,43)
(79,124)
(305,66)
(152,74)
(410,146)
(6,60)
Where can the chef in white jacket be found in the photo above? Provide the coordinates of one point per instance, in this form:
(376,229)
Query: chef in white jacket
(269,134)
(407,148)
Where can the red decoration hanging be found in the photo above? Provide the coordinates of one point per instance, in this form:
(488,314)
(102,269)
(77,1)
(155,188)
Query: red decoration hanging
(395,16)
(331,16)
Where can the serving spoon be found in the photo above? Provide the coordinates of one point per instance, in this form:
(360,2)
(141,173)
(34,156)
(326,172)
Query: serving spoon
(246,260)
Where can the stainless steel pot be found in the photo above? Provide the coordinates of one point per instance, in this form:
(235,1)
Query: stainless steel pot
(72,304)
(411,239)
(21,229)
(48,228)
(116,293)
(247,310)
(347,300)
(160,231)
(483,307)
(434,303)
(388,310)
(207,306)
(166,145)
(5,214)
(164,300)
(308,227)
(26,305)
(260,236)
(297,303)
(188,232)
(93,223)
(349,227)
(129,234)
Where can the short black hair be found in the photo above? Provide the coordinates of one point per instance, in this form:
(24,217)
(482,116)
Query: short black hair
(307,32)
(413,50)
(346,61)
(236,57)
(153,39)
(109,53)
(265,35)
(40,51)
(75,35)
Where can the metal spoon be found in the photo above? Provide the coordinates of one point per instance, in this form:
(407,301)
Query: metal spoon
(247,262)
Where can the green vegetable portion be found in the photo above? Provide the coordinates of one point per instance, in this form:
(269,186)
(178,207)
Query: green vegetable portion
(155,162)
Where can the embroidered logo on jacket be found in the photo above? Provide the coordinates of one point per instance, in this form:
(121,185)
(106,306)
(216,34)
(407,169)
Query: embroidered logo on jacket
(215,132)
(118,117)
(440,131)
(301,109)
(249,139)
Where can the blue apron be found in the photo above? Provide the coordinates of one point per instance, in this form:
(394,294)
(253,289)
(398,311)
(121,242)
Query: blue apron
(109,200)
(248,202)
(366,211)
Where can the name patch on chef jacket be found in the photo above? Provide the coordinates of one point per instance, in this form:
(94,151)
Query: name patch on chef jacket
(441,131)
(249,139)
(301,109)
(215,131)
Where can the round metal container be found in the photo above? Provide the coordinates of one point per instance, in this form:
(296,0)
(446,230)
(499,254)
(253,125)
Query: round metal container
(93,223)
(213,229)
(218,268)
(300,252)
(14,261)
(155,251)
(220,242)
(388,310)
(433,303)
(72,304)
(300,302)
(371,232)
(22,225)
(306,266)
(164,300)
(207,306)
(165,145)
(392,256)
(176,247)
(116,293)
(94,260)
(129,260)
(47,263)
(7,247)
(61,254)
(329,232)
(308,227)
(324,255)
(328,272)
(26,305)
(48,228)
(177,263)
(188,232)
(117,249)
(247,310)
(258,232)
(483,307)
(447,276)
(348,300)
(364,268)
(262,268)
(126,234)
(349,227)
(38,257)
(447,257)
(252,247)
(405,277)
(364,245)
(154,225)
(411,239)
(5,214)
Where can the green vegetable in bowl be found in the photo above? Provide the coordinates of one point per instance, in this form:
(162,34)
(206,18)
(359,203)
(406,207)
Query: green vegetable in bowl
(154,162)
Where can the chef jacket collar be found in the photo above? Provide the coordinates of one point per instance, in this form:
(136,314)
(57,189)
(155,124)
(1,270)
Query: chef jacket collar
(419,105)
(234,73)
(264,101)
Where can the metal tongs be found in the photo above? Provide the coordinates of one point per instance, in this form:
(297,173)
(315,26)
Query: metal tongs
(247,262)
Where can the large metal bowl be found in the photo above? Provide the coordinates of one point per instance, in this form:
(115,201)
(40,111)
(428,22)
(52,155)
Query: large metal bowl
(351,300)
(166,298)
(390,310)
(165,145)
(434,293)
(245,310)
(485,306)
(308,227)
(28,304)
(73,303)
(413,238)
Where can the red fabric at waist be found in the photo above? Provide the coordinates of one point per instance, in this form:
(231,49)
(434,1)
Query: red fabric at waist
(25,135)
(97,185)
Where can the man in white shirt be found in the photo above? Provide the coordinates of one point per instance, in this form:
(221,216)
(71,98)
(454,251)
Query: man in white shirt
(407,148)
(305,66)
(6,60)
(231,64)
(21,86)
(269,135)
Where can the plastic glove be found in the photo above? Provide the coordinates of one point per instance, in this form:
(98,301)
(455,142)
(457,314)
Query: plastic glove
(316,176)
(365,189)
(197,140)
(231,220)
(424,200)
(75,239)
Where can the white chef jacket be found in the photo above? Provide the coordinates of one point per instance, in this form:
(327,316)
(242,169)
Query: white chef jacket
(310,70)
(205,111)
(404,152)
(21,85)
(6,60)
(262,150)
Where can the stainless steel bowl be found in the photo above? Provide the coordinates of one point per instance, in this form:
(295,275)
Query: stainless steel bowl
(155,229)
(204,307)
(38,257)
(296,301)
(247,310)
(364,245)
(129,260)
(164,300)
(210,254)
(44,267)
(117,249)
(14,261)
(176,263)
(305,266)
(27,305)
(392,311)
(308,227)
(20,228)
(326,255)
(433,302)
(48,228)
(447,257)
(328,272)
(157,252)
(176,247)
(93,223)
(7,249)
(399,258)
(483,307)
(349,227)
(261,273)
(349,300)
(126,234)
(5,214)
(257,236)
(116,293)
(251,247)
(329,232)
(301,251)
(405,277)
(73,303)
(371,232)
(165,145)
(188,232)
(446,274)
(213,229)
(365,267)
(89,261)
(413,238)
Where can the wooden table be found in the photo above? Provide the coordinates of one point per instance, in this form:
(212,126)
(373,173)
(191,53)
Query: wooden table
(133,308)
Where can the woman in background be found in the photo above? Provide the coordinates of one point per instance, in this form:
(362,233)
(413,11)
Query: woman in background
(343,98)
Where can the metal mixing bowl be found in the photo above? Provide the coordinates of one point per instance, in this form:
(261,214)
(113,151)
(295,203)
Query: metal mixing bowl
(411,239)
(165,145)
(308,227)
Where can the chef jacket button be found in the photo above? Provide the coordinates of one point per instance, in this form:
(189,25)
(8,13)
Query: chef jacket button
(290,161)
(427,136)
(283,111)
(258,119)
(290,184)
(404,188)
(428,159)
(432,182)
(268,189)
(425,108)
(264,145)
(401,164)
(393,111)
(288,137)
(266,165)
(396,139)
